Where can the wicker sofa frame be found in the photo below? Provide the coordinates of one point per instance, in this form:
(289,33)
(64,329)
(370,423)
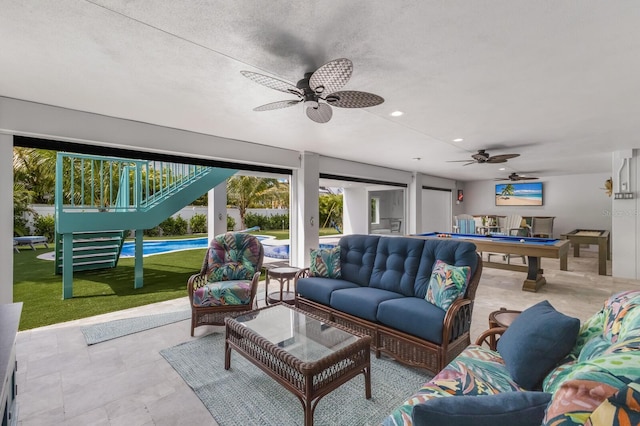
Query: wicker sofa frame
(403,347)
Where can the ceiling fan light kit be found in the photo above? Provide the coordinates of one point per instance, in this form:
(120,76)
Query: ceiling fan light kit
(482,157)
(318,91)
(514,177)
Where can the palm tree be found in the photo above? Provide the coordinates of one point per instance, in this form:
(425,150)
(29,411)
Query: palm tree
(35,170)
(507,191)
(247,191)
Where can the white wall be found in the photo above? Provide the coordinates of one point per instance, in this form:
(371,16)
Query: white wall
(436,211)
(355,210)
(576,201)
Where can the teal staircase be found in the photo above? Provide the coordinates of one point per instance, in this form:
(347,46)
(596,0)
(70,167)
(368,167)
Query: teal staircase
(100,200)
(91,250)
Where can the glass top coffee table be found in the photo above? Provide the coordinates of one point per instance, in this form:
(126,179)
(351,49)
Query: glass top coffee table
(307,355)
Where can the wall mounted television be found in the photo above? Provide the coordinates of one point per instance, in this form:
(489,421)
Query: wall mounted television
(519,194)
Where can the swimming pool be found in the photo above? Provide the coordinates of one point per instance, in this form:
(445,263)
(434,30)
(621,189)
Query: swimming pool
(278,249)
(151,247)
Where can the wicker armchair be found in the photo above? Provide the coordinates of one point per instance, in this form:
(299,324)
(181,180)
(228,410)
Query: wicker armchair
(228,280)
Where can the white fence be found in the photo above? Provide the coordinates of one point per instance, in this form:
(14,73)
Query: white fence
(186,213)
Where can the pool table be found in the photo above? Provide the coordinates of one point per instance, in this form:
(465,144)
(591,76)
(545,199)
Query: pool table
(591,236)
(533,248)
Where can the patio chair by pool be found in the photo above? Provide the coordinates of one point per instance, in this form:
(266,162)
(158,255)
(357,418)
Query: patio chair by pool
(29,241)
(228,280)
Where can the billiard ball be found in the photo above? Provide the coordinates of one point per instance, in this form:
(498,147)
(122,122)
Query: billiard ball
(522,241)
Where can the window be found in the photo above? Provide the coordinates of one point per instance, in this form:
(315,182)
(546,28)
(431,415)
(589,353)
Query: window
(375,210)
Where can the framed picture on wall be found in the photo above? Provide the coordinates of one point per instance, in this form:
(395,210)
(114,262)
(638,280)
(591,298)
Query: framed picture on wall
(519,194)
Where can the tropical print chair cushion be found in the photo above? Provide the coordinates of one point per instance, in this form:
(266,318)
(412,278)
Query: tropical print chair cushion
(608,358)
(447,284)
(604,362)
(621,409)
(232,292)
(476,371)
(234,256)
(325,263)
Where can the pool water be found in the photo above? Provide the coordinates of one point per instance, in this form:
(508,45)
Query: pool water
(278,249)
(151,247)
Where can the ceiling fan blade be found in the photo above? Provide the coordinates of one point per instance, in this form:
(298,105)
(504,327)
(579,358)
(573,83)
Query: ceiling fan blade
(501,158)
(272,83)
(277,105)
(321,114)
(526,178)
(330,77)
(353,99)
(460,161)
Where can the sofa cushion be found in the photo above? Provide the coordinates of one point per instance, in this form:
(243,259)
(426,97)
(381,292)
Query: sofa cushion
(414,316)
(320,289)
(396,264)
(362,301)
(325,262)
(357,253)
(508,408)
(458,253)
(447,284)
(535,342)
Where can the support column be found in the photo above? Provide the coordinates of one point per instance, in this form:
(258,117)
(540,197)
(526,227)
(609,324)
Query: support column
(217,210)
(139,265)
(414,204)
(6,211)
(625,221)
(355,211)
(304,209)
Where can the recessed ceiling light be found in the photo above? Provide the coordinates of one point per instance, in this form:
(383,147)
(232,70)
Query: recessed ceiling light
(502,168)
(458,140)
(396,113)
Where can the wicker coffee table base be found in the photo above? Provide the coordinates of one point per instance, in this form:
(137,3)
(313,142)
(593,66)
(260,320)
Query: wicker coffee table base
(308,381)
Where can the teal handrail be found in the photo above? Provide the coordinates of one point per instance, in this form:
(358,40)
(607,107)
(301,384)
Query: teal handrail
(99,183)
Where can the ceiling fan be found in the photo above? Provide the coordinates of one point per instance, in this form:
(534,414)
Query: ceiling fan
(516,177)
(482,157)
(318,91)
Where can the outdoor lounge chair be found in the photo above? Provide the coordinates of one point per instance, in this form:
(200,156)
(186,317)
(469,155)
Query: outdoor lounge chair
(228,280)
(29,240)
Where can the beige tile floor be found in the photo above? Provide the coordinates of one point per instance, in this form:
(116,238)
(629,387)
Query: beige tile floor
(125,381)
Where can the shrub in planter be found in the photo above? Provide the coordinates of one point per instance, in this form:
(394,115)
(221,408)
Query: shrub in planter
(198,223)
(231,223)
(179,226)
(45,225)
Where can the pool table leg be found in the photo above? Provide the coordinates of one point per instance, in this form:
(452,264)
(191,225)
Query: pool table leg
(563,262)
(534,280)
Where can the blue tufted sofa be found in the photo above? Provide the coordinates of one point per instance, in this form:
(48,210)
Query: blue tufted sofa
(381,293)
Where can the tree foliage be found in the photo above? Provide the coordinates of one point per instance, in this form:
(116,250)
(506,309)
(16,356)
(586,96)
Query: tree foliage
(330,210)
(245,192)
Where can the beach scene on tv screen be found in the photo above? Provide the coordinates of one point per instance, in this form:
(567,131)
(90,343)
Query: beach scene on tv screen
(519,194)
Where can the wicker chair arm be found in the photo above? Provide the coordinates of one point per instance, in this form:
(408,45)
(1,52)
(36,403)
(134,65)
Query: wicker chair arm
(490,337)
(457,320)
(302,273)
(195,282)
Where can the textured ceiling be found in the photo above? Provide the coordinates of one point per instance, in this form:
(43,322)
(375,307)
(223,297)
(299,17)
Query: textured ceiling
(556,82)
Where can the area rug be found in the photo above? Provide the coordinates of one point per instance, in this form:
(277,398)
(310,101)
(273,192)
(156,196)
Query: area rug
(97,333)
(245,395)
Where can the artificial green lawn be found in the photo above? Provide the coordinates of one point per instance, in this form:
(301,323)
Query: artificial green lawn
(102,291)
